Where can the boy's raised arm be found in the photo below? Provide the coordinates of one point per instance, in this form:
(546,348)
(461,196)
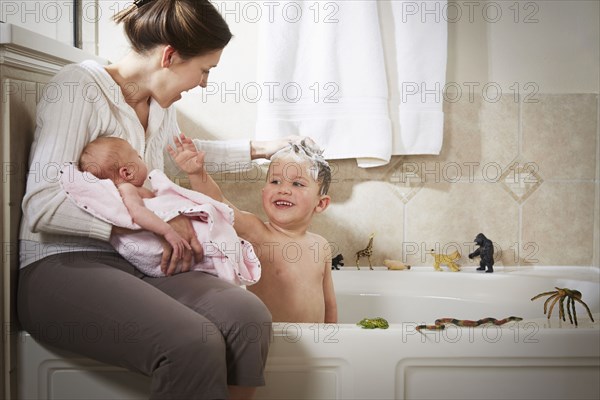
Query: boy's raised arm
(191,161)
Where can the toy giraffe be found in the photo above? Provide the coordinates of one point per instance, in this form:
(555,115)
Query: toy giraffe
(366,252)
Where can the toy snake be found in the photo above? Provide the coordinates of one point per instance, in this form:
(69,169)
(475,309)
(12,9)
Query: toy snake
(442,322)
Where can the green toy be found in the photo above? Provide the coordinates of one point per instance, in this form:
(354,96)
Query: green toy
(373,323)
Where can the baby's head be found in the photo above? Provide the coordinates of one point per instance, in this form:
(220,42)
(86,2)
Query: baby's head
(308,153)
(115,159)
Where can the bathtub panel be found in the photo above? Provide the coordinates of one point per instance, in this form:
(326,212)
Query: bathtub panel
(66,381)
(46,373)
(540,358)
(494,378)
(318,379)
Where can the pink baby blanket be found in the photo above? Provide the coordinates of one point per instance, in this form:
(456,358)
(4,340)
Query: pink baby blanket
(225,254)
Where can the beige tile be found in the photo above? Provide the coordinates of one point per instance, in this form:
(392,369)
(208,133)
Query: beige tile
(246,196)
(462,133)
(347,170)
(558,225)
(255,173)
(596,258)
(406,178)
(499,123)
(477,135)
(357,210)
(559,135)
(416,203)
(484,132)
(447,217)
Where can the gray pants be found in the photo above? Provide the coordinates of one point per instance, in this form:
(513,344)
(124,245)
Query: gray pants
(192,333)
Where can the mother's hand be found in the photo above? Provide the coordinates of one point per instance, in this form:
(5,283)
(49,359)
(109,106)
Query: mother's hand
(169,264)
(266,148)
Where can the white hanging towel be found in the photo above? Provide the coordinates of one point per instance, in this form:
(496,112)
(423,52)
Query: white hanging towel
(324,62)
(421,35)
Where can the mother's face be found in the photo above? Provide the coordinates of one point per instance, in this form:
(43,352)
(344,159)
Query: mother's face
(179,75)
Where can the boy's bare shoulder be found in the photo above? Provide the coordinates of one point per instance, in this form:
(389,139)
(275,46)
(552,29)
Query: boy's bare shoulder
(315,237)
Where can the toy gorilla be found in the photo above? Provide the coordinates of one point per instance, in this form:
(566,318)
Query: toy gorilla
(485,251)
(336,261)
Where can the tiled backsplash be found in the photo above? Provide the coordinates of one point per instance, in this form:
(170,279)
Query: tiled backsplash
(523,173)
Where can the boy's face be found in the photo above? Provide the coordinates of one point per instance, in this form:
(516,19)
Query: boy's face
(291,194)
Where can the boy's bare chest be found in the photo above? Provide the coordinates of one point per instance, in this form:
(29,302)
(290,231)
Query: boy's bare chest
(292,258)
(291,252)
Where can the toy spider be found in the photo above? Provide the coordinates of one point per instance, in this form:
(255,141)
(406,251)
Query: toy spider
(560,294)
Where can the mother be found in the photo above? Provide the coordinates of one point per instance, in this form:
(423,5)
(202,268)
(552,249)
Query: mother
(195,335)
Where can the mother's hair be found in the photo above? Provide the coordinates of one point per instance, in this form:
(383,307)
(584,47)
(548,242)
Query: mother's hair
(191,27)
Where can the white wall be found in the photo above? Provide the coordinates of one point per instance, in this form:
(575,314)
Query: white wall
(50,18)
(524,47)
(553,44)
(560,51)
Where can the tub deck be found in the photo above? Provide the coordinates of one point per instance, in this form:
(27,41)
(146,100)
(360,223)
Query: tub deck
(422,295)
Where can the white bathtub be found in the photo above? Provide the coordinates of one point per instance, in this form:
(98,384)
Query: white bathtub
(532,359)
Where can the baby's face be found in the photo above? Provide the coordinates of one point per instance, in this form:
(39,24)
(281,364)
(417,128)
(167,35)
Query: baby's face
(290,194)
(136,166)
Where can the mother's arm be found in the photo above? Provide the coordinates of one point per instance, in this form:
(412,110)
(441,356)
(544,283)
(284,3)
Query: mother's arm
(235,155)
(64,127)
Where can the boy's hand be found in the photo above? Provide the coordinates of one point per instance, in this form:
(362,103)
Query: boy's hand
(185,154)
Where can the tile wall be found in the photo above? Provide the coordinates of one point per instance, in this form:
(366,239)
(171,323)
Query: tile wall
(522,171)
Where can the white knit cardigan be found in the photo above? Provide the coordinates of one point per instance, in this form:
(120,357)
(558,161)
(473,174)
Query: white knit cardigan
(81,103)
